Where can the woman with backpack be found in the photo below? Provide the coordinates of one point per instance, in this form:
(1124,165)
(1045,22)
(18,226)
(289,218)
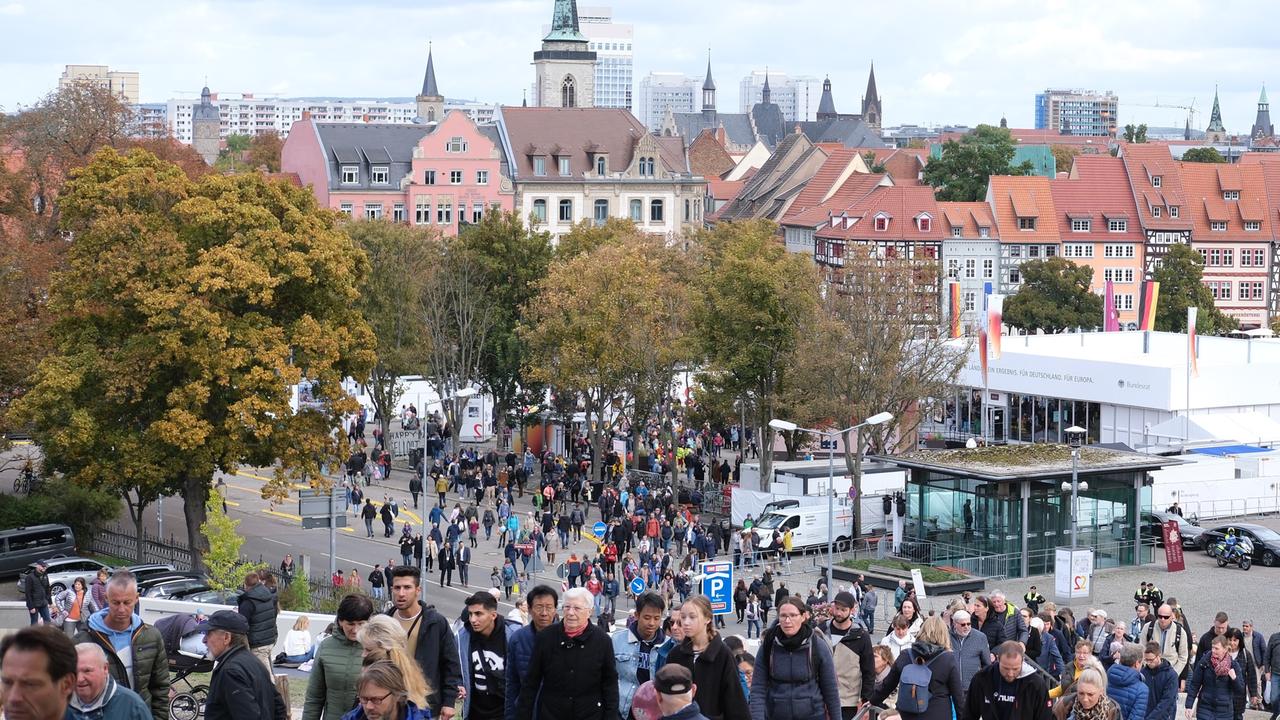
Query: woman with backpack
(795,673)
(715,672)
(926,677)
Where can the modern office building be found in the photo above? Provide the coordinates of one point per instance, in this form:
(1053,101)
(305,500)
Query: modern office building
(798,97)
(662,90)
(122,83)
(612,43)
(1077,112)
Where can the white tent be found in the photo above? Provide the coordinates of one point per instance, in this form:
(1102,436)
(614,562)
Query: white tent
(1245,427)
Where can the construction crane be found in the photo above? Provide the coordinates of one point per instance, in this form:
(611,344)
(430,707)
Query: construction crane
(1191,109)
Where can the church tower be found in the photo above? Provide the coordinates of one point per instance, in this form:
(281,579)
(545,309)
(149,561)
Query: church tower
(430,101)
(566,69)
(709,92)
(1262,127)
(827,105)
(1215,133)
(206,128)
(872,114)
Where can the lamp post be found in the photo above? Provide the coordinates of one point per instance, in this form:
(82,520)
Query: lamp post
(1075,435)
(787,426)
(461,394)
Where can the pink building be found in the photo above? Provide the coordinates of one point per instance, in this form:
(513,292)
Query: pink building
(441,174)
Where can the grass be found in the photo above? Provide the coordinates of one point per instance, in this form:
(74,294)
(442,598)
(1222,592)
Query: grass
(297,687)
(928,572)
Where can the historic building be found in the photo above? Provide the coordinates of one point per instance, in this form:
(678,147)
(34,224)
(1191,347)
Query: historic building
(430,102)
(1156,185)
(1215,133)
(872,111)
(565,67)
(206,128)
(1262,127)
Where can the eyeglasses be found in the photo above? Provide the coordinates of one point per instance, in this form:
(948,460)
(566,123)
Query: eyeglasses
(1166,617)
(792,616)
(369,700)
(963,624)
(576,608)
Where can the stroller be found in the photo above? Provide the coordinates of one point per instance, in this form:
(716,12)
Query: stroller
(187,703)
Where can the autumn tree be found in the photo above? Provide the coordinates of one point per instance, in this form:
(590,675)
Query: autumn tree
(189,310)
(400,259)
(1064,156)
(1179,275)
(1055,295)
(264,151)
(965,166)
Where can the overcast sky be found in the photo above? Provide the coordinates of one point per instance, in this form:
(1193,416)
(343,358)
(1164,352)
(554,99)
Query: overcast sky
(936,62)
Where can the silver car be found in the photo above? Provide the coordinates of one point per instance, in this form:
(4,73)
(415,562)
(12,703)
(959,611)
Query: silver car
(64,570)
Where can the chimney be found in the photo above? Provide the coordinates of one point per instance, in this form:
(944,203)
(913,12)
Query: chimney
(306,114)
(365,118)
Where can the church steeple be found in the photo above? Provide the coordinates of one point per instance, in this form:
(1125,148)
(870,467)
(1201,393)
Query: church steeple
(827,105)
(708,89)
(566,64)
(1215,132)
(872,113)
(564,23)
(764,92)
(430,101)
(1262,127)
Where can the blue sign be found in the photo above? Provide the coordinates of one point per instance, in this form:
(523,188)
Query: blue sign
(717,585)
(636,586)
(598,529)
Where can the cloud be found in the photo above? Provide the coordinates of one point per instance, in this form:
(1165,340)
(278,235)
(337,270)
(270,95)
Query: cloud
(13,9)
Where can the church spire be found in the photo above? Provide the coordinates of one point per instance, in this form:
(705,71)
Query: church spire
(564,23)
(827,105)
(708,89)
(872,113)
(1262,127)
(429,88)
(764,93)
(1215,117)
(430,101)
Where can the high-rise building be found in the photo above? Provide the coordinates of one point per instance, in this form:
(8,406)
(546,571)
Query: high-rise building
(798,96)
(611,42)
(1077,112)
(662,90)
(122,83)
(565,67)
(150,120)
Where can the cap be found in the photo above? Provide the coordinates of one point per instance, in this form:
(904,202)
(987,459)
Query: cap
(228,620)
(845,598)
(673,679)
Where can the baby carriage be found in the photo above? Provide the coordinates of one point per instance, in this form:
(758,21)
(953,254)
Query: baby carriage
(186,699)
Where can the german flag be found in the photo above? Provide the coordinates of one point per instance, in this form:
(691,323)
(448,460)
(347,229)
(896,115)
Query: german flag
(1147,305)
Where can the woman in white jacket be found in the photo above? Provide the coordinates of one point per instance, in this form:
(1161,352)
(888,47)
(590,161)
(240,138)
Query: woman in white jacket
(899,637)
(298,645)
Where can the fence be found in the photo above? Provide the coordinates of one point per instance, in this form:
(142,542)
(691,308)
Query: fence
(115,541)
(1198,510)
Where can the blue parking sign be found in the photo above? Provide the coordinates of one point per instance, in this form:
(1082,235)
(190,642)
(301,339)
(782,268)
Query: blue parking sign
(598,529)
(717,585)
(636,586)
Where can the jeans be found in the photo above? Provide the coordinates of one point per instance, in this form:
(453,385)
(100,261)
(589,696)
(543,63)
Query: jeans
(564,539)
(40,613)
(404,560)
(868,619)
(308,654)
(368,526)
(376,592)
(463,572)
(753,624)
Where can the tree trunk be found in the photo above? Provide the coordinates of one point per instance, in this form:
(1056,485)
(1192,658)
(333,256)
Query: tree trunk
(195,493)
(136,511)
(499,421)
(766,445)
(853,463)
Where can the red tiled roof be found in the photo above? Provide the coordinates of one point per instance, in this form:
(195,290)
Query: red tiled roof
(970,216)
(1270,166)
(856,187)
(724,189)
(1203,183)
(1098,189)
(1229,177)
(1142,161)
(1031,197)
(573,129)
(903,205)
(823,182)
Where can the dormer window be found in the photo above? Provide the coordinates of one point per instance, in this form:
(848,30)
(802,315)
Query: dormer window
(1026,223)
(1173,211)
(1230,194)
(1155,181)
(957,232)
(1155,211)
(1252,225)
(646,166)
(379,174)
(564,166)
(456,144)
(1081,225)
(924,223)
(882,223)
(540,166)
(984,232)
(350,174)
(602,165)
(1218,226)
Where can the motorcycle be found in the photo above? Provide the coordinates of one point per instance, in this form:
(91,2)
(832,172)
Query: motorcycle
(1241,553)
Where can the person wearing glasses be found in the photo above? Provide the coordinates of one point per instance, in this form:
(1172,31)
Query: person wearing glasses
(572,672)
(795,674)
(381,695)
(1169,634)
(240,686)
(971,649)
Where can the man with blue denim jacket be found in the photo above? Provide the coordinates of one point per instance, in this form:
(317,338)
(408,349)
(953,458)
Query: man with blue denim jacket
(635,649)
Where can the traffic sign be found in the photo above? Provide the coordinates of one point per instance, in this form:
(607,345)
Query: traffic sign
(717,585)
(312,503)
(323,522)
(598,529)
(637,585)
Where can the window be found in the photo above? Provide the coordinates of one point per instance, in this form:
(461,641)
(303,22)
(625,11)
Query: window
(1218,226)
(540,166)
(566,211)
(1081,225)
(646,166)
(1117,226)
(601,165)
(984,232)
(477,212)
(1033,251)
(444,213)
(346,209)
(1077,250)
(688,211)
(1228,257)
(1118,251)
(1254,289)
(1155,181)
(1252,225)
(1173,211)
(1026,223)
(540,211)
(565,171)
(429,177)
(373,211)
(970,300)
(655,211)
(568,93)
(1213,258)
(970,268)
(953,268)
(1230,194)
(600,211)
(422,212)
(1050,251)
(350,174)
(455,177)
(637,211)
(397,212)
(378,175)
(456,144)
(988,269)
(1224,290)
(882,223)
(482,177)
(925,223)
(1118,275)
(957,232)
(1014,276)
(1123,301)
(1155,211)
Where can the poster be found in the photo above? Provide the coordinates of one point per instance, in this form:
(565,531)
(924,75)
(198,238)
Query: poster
(1172,546)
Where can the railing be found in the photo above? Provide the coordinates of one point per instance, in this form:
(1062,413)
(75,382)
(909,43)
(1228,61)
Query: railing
(115,541)
(1229,507)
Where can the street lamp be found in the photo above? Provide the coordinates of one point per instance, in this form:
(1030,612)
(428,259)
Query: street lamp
(788,426)
(1075,435)
(461,394)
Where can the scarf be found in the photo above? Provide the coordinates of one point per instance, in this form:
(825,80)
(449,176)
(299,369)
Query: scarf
(1221,666)
(1100,711)
(794,642)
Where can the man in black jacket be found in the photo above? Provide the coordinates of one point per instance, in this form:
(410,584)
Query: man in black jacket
(240,686)
(258,607)
(572,673)
(1002,690)
(431,642)
(35,590)
(851,649)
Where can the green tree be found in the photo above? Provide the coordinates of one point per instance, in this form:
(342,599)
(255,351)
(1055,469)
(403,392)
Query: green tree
(190,310)
(1179,275)
(587,236)
(237,143)
(965,166)
(1064,156)
(1203,155)
(1135,133)
(401,256)
(869,157)
(264,151)
(222,561)
(85,510)
(1055,295)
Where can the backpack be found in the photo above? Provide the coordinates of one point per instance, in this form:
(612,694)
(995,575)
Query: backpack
(913,685)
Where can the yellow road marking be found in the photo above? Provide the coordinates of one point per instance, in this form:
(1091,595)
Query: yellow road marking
(277,513)
(296,486)
(232,503)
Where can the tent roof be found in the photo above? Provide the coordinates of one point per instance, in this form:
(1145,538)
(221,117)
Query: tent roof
(1225,450)
(1245,427)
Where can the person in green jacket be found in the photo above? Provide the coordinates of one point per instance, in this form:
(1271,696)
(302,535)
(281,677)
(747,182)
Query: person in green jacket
(331,691)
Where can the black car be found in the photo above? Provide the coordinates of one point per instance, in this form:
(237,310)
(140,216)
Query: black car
(1266,542)
(1188,532)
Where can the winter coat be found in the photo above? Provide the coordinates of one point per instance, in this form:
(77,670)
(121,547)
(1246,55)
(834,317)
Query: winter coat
(1273,654)
(115,703)
(150,663)
(993,628)
(797,684)
(1126,686)
(1216,694)
(437,656)
(408,712)
(972,655)
(1163,685)
(570,678)
(464,649)
(331,688)
(1050,659)
(715,673)
(1250,688)
(519,652)
(896,644)
(944,687)
(65,599)
(241,687)
(855,666)
(1030,700)
(626,648)
(35,589)
(258,606)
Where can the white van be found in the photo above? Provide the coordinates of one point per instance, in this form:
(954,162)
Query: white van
(808,527)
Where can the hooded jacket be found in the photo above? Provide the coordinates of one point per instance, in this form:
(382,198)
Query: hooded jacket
(626,653)
(437,655)
(944,686)
(1163,685)
(331,687)
(258,606)
(1030,699)
(855,665)
(509,627)
(150,677)
(715,673)
(897,644)
(1126,686)
(115,703)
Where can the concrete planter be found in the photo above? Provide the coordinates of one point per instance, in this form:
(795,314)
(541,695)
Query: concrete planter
(887,578)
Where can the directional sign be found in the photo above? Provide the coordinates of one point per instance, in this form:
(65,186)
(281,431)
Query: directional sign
(316,504)
(637,585)
(323,522)
(717,585)
(598,529)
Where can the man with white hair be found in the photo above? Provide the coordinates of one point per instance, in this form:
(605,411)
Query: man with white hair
(98,696)
(135,650)
(572,667)
(972,651)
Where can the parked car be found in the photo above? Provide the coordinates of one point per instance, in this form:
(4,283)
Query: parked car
(19,547)
(64,570)
(166,587)
(1187,530)
(1266,542)
(151,570)
(208,596)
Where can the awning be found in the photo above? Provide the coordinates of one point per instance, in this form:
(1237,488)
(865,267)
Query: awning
(1225,450)
(1246,427)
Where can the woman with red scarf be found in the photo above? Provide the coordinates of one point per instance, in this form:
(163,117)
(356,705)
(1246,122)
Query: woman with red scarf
(1213,684)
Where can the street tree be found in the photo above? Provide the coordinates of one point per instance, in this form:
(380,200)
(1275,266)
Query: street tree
(401,259)
(756,300)
(189,311)
(1203,155)
(223,563)
(965,166)
(1054,296)
(1064,156)
(1135,133)
(587,236)
(1179,275)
